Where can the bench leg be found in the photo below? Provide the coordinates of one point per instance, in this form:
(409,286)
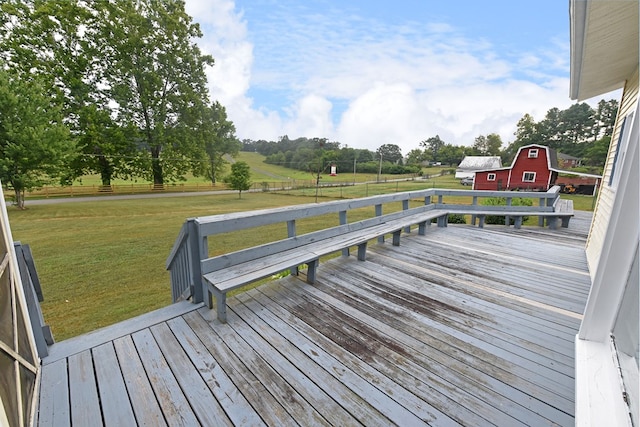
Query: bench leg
(507,221)
(422,228)
(518,222)
(396,238)
(473,220)
(362,251)
(481,221)
(565,221)
(208,297)
(221,305)
(552,222)
(311,271)
(443,220)
(345,252)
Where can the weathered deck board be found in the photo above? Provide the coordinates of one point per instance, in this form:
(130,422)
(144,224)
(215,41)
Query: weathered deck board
(462,326)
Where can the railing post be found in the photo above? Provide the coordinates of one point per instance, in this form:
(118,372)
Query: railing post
(291,232)
(197,251)
(379,213)
(474,203)
(342,215)
(405,206)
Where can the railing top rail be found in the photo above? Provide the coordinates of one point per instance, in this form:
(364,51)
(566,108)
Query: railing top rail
(182,237)
(215,224)
(552,193)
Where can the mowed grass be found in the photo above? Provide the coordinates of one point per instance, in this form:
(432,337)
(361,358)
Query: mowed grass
(103,261)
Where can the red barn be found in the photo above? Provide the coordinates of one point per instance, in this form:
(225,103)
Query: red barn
(535,168)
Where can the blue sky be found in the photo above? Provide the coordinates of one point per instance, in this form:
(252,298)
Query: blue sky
(367,73)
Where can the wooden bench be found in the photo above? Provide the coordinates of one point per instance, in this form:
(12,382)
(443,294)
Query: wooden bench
(227,272)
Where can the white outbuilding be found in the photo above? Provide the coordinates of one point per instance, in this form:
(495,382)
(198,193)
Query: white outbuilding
(470,164)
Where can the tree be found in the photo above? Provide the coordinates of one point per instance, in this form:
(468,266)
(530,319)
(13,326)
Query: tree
(218,134)
(433,145)
(488,145)
(605,118)
(416,157)
(59,41)
(578,127)
(390,153)
(34,143)
(550,129)
(240,177)
(596,154)
(156,76)
(451,155)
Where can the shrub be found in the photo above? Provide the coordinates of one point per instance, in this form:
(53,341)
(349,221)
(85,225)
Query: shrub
(501,201)
(453,219)
(456,219)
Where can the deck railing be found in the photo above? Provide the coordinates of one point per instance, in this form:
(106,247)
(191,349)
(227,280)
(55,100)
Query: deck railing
(191,245)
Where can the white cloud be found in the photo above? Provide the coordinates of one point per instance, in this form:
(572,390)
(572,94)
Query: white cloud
(366,83)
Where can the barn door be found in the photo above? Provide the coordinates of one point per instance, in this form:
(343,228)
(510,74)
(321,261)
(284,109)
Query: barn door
(19,362)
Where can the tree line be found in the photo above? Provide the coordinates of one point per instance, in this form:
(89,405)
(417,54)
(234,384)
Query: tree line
(579,131)
(317,155)
(111,88)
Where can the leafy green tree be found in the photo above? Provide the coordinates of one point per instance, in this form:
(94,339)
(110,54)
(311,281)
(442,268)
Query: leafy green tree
(390,153)
(61,42)
(218,134)
(550,128)
(416,157)
(240,177)
(156,75)
(488,145)
(605,118)
(433,145)
(451,155)
(34,143)
(596,154)
(578,127)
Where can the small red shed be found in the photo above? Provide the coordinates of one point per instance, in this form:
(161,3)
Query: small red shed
(535,168)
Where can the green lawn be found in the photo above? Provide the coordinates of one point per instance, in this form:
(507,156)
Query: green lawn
(102,262)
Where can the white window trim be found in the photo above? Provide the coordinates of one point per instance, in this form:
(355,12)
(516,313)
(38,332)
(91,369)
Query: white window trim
(526,180)
(533,153)
(491,177)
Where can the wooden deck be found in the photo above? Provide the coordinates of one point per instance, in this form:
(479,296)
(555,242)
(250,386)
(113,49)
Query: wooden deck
(463,326)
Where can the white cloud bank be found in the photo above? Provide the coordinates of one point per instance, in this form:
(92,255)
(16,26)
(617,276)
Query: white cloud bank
(365,83)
